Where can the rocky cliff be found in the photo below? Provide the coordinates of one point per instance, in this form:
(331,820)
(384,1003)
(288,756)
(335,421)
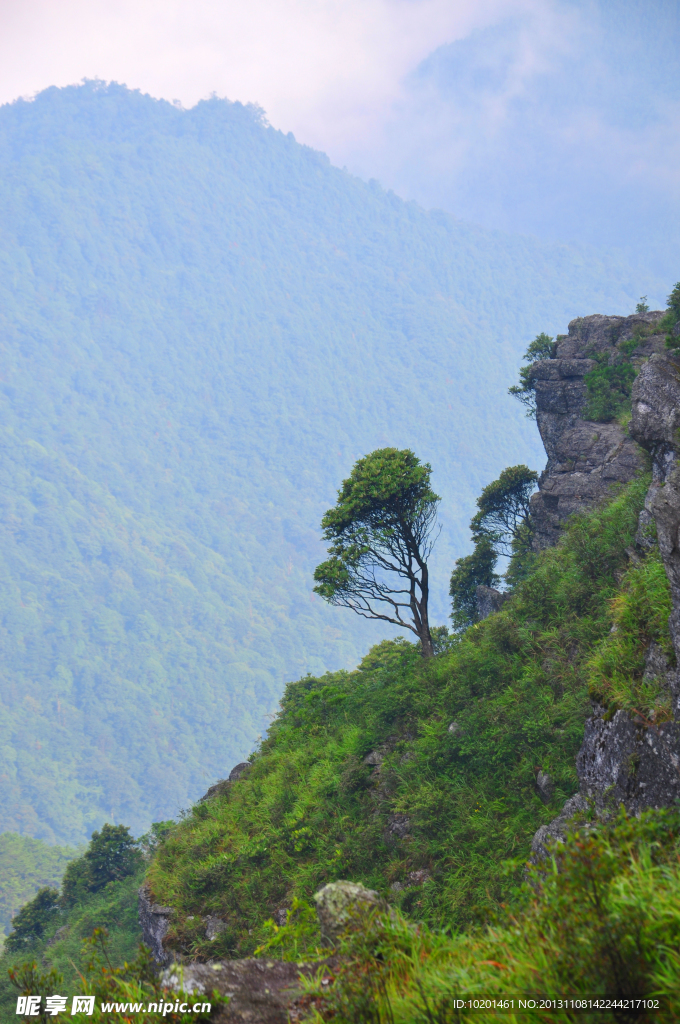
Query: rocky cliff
(625,759)
(584,457)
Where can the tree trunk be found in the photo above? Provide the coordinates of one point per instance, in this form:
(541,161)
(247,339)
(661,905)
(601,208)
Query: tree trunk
(426,648)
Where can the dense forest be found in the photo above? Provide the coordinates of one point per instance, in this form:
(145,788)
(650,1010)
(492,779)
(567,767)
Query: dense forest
(202,325)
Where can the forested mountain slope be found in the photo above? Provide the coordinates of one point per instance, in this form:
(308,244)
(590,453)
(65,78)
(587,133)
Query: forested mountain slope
(202,325)
(27,865)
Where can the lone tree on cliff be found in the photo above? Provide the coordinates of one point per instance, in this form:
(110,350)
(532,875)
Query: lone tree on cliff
(382,532)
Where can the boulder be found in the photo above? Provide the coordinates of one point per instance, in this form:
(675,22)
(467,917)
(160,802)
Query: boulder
(545,786)
(224,785)
(341,905)
(398,827)
(556,831)
(214,926)
(413,879)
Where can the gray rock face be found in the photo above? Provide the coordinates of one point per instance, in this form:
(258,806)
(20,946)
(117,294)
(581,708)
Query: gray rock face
(626,759)
(584,458)
(545,786)
(154,921)
(622,760)
(489,601)
(654,425)
(556,831)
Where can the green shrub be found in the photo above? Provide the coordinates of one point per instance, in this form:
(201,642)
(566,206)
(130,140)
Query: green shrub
(111,856)
(542,347)
(609,391)
(30,923)
(672,318)
(639,616)
(470,572)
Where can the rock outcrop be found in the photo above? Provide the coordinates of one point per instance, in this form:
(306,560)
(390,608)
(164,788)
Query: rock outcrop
(154,921)
(264,991)
(655,425)
(627,759)
(224,785)
(259,991)
(489,600)
(584,458)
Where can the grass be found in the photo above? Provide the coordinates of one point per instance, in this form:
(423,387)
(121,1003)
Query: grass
(601,920)
(639,614)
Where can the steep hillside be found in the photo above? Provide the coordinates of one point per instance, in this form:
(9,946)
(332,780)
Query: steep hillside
(202,325)
(417,779)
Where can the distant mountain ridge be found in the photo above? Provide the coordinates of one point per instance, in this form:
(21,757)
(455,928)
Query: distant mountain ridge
(202,325)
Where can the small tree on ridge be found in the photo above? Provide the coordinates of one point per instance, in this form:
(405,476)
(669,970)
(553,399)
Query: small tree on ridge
(381,533)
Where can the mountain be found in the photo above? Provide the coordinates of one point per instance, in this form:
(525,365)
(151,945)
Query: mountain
(202,325)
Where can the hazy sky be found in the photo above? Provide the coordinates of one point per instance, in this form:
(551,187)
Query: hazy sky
(556,117)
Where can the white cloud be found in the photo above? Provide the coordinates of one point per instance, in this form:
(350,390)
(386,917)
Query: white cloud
(329,70)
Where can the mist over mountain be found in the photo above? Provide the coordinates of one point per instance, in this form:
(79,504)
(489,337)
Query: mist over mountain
(202,325)
(560,121)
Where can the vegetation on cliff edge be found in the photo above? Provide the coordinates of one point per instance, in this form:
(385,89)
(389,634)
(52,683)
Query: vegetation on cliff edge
(416,778)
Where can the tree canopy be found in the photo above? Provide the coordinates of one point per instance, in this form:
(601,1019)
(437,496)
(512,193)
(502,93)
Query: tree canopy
(112,855)
(501,526)
(504,508)
(382,532)
(31,921)
(470,572)
(542,347)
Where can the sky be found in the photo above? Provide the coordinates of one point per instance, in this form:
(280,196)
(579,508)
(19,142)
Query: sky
(558,118)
